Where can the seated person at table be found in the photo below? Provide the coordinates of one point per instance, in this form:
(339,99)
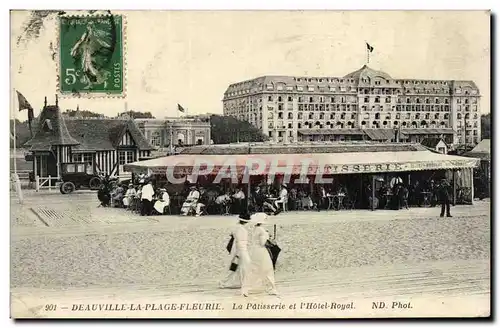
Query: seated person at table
(117,196)
(224,201)
(261,201)
(104,195)
(306,200)
(238,200)
(283,198)
(202,201)
(211,197)
(163,201)
(129,195)
(191,201)
(293,198)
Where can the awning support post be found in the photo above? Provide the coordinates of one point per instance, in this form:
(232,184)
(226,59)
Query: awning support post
(472,185)
(247,174)
(453,175)
(373,192)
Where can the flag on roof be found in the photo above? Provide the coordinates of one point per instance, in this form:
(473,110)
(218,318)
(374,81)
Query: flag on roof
(180,108)
(369,47)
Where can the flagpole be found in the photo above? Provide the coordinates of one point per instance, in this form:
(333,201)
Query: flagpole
(17,182)
(15,136)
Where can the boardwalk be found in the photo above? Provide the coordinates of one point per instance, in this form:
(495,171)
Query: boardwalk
(84,254)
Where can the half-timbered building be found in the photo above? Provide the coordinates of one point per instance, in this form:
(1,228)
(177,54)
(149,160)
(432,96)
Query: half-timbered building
(107,144)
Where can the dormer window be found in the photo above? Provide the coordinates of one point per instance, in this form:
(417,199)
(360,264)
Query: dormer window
(47,125)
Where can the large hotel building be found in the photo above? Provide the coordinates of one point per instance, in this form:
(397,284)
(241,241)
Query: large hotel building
(363,105)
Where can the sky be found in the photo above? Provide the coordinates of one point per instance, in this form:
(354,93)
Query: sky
(190,57)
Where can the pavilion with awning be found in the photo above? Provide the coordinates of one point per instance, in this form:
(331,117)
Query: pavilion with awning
(482,151)
(305,159)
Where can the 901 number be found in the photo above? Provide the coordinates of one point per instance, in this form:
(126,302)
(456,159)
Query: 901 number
(50,307)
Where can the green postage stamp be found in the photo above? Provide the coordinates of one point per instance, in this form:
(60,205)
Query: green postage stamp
(91,55)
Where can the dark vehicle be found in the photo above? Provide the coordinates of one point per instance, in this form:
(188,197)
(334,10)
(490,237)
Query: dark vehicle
(79,175)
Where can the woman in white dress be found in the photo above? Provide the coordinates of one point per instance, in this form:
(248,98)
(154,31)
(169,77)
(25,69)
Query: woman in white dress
(263,270)
(163,201)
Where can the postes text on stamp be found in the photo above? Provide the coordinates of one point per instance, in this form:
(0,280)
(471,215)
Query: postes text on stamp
(91,55)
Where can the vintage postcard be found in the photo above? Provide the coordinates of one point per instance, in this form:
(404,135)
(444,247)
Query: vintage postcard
(250,164)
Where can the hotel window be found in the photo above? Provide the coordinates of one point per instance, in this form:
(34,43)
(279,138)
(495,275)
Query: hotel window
(311,116)
(290,125)
(342,99)
(289,98)
(446,116)
(353,116)
(459,116)
(280,115)
(156,139)
(279,98)
(446,100)
(270,98)
(377,116)
(436,116)
(290,116)
(387,99)
(300,99)
(407,100)
(367,99)
(310,99)
(436,100)
(377,99)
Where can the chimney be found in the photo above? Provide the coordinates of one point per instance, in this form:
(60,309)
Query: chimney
(45,102)
(57,100)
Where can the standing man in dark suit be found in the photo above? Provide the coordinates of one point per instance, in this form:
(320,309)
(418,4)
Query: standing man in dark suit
(444,197)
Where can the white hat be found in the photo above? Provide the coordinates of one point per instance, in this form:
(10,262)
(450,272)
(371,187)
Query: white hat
(259,218)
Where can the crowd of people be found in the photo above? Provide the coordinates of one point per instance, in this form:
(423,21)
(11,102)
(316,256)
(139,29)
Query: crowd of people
(148,197)
(144,197)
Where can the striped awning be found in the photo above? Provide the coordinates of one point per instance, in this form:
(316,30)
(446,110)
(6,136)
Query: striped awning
(324,163)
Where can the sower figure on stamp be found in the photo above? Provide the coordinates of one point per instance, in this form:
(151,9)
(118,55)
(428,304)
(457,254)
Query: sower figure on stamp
(444,197)
(240,257)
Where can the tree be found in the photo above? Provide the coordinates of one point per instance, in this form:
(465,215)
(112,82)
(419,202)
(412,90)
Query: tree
(81,113)
(22,132)
(134,114)
(486,126)
(227,129)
